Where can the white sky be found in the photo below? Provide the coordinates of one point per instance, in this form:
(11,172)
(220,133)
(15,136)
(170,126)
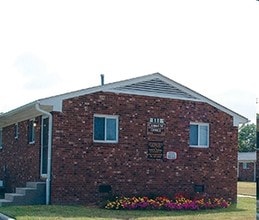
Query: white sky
(51,47)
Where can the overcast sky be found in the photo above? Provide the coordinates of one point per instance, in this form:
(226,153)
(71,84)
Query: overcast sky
(51,47)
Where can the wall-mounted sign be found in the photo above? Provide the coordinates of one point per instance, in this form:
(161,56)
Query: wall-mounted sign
(156,126)
(155,150)
(171,155)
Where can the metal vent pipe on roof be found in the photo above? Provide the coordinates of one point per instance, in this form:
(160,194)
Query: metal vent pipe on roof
(102,79)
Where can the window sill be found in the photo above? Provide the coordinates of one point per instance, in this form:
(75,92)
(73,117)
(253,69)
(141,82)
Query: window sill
(198,146)
(106,142)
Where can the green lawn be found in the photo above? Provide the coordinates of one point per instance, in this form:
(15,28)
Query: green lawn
(246,188)
(245,209)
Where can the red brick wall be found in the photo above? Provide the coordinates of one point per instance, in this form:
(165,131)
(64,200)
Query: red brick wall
(80,166)
(19,160)
(247,174)
(257,163)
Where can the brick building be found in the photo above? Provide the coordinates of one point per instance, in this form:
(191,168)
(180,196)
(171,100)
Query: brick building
(246,168)
(143,136)
(257,157)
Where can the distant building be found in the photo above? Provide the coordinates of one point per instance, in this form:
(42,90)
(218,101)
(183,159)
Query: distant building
(246,169)
(257,157)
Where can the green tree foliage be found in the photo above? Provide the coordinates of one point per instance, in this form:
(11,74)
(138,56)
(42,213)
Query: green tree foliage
(247,138)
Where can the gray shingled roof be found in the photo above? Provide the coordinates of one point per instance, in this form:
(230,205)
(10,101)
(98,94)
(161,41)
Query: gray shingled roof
(156,86)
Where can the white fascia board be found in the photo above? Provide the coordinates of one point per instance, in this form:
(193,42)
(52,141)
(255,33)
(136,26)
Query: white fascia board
(56,101)
(237,118)
(22,113)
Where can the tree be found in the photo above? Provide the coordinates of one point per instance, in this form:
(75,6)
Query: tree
(247,138)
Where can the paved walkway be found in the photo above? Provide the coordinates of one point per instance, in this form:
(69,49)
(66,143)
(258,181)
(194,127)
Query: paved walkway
(246,196)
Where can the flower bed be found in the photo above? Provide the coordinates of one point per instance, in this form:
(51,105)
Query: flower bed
(180,202)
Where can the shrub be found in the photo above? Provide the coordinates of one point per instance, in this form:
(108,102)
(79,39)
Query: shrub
(180,202)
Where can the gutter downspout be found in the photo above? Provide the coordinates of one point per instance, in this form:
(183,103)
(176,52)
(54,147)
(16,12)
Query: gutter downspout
(37,107)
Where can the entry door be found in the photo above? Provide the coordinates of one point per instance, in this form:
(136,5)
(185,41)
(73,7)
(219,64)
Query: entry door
(44,146)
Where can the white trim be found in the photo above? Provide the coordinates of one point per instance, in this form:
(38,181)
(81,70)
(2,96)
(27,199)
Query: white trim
(116,117)
(48,179)
(33,131)
(245,165)
(56,101)
(1,138)
(238,170)
(41,147)
(16,130)
(208,134)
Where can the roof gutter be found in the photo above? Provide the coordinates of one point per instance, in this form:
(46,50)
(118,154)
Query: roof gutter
(48,180)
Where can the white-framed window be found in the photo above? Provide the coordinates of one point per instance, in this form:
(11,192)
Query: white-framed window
(16,130)
(199,135)
(1,138)
(31,131)
(245,166)
(105,128)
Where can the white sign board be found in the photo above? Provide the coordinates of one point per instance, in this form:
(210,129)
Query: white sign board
(171,155)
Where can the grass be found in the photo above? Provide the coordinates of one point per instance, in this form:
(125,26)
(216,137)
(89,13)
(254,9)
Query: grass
(246,188)
(244,209)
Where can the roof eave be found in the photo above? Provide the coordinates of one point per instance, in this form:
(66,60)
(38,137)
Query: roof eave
(22,113)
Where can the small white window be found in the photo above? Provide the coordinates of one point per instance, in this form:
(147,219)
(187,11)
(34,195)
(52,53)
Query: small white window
(199,135)
(1,138)
(105,128)
(16,131)
(31,131)
(245,167)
